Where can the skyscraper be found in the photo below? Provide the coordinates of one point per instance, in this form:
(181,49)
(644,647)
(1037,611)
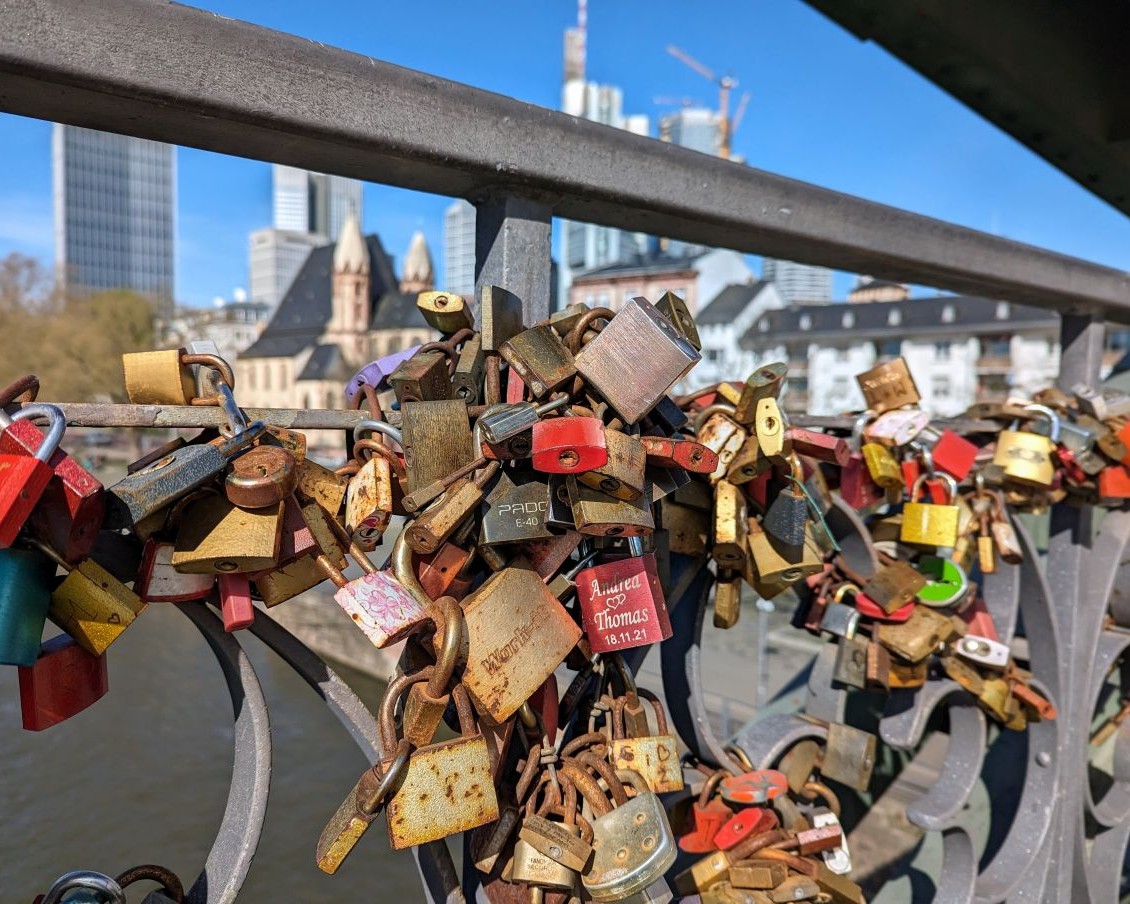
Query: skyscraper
(115,212)
(459,248)
(314,202)
(696,128)
(798,283)
(309,210)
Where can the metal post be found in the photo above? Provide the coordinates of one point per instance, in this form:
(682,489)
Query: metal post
(512,251)
(1081,339)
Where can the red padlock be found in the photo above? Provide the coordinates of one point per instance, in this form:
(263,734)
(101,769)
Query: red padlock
(856,486)
(622,604)
(64,681)
(158,582)
(438,572)
(757,490)
(954,454)
(679,453)
(911,469)
(708,815)
(1114,482)
(568,445)
(750,821)
(23,478)
(821,446)
(235,602)
(757,787)
(868,608)
(976,616)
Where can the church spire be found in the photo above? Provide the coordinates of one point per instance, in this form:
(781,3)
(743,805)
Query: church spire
(418,274)
(351,254)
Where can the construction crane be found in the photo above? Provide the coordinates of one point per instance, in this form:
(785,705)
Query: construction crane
(725,84)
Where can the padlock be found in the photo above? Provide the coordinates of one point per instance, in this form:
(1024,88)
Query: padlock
(633,845)
(954,454)
(596,513)
(635,359)
(539,357)
(63,681)
(470,368)
(93,888)
(445,312)
(679,316)
(888,386)
(70,510)
(1114,483)
(216,537)
(622,604)
(426,701)
(946,582)
(857,488)
(754,788)
(500,317)
(985,651)
(727,599)
(821,446)
(261,477)
(375,373)
(91,605)
(769,428)
(369,498)
(24,478)
(851,662)
(26,580)
(665,452)
(764,383)
(730,536)
(724,437)
(321,485)
(380,605)
(563,842)
(895,584)
(747,822)
(928,524)
(787,517)
(775,564)
(303,539)
(896,428)
(517,635)
(437,441)
(422,378)
(167,378)
(1027,457)
(882,466)
(708,813)
(568,445)
(158,582)
(849,756)
(514,512)
(654,756)
(917,637)
(758,874)
(145,492)
(431,528)
(236,608)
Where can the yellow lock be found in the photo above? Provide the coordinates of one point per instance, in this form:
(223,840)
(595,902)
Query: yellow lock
(166,377)
(882,465)
(93,606)
(928,524)
(1027,457)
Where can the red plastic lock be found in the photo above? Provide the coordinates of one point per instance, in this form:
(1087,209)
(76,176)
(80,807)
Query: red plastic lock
(72,507)
(976,616)
(679,453)
(868,608)
(22,481)
(1114,482)
(235,602)
(568,445)
(64,681)
(747,822)
(856,486)
(954,454)
(622,604)
(757,787)
(707,821)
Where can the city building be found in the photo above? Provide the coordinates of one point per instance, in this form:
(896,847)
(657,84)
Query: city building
(693,277)
(960,349)
(459,248)
(275,256)
(722,323)
(232,325)
(309,210)
(314,202)
(585,246)
(798,283)
(115,213)
(696,128)
(345,307)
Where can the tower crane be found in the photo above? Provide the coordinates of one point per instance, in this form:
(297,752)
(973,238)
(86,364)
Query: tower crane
(726,84)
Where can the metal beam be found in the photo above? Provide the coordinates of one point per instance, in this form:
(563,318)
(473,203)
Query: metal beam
(177,74)
(512,251)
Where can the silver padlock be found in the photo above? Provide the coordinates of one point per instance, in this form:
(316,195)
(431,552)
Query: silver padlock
(101,888)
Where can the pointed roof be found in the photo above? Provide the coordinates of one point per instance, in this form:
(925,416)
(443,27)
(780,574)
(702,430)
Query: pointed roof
(351,255)
(418,261)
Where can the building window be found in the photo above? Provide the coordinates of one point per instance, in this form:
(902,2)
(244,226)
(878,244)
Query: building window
(948,314)
(589,299)
(805,322)
(848,320)
(942,350)
(330,399)
(890,348)
(251,377)
(941,388)
(713,355)
(995,347)
(393,344)
(764,325)
(266,376)
(1002,310)
(839,386)
(894,318)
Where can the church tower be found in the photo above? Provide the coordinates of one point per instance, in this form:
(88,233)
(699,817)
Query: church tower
(418,274)
(349,322)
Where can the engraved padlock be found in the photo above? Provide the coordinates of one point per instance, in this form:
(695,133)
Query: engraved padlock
(1027,457)
(927,523)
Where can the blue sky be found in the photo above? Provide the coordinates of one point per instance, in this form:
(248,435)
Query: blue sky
(826,108)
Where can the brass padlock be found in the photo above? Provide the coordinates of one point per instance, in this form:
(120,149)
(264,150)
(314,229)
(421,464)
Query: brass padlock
(321,485)
(166,377)
(918,636)
(437,440)
(467,381)
(727,600)
(600,515)
(445,311)
(786,519)
(220,538)
(889,385)
(426,701)
(849,756)
(369,496)
(769,427)
(679,315)
(422,378)
(540,358)
(723,436)
(730,540)
(882,466)
(655,757)
(773,566)
(929,524)
(622,476)
(431,529)
(1027,457)
(764,383)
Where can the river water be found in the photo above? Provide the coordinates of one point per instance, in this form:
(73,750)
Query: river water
(142,776)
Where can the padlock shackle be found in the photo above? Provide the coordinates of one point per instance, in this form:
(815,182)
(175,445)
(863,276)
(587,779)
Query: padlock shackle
(150,872)
(602,768)
(947,479)
(864,418)
(583,742)
(56,426)
(452,618)
(87,880)
(377,427)
(386,715)
(587,785)
(375,448)
(813,789)
(708,786)
(400,561)
(218,366)
(724,408)
(657,708)
(634,779)
(355,551)
(574,336)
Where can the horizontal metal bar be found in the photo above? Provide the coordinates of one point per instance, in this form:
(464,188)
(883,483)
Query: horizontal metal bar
(177,74)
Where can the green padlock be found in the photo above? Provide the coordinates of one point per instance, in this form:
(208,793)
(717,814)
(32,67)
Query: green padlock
(946,582)
(26,578)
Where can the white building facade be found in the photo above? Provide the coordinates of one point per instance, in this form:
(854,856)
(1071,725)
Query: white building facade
(459,248)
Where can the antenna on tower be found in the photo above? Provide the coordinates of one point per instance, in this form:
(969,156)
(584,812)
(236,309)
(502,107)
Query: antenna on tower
(575,41)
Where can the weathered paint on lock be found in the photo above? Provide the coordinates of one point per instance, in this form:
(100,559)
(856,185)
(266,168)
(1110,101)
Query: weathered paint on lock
(159,582)
(94,607)
(368,502)
(622,604)
(65,680)
(381,607)
(655,757)
(453,778)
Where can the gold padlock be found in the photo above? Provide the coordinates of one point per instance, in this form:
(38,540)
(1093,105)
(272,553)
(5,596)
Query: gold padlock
(655,757)
(445,311)
(166,377)
(1027,457)
(888,386)
(927,524)
(218,537)
(882,466)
